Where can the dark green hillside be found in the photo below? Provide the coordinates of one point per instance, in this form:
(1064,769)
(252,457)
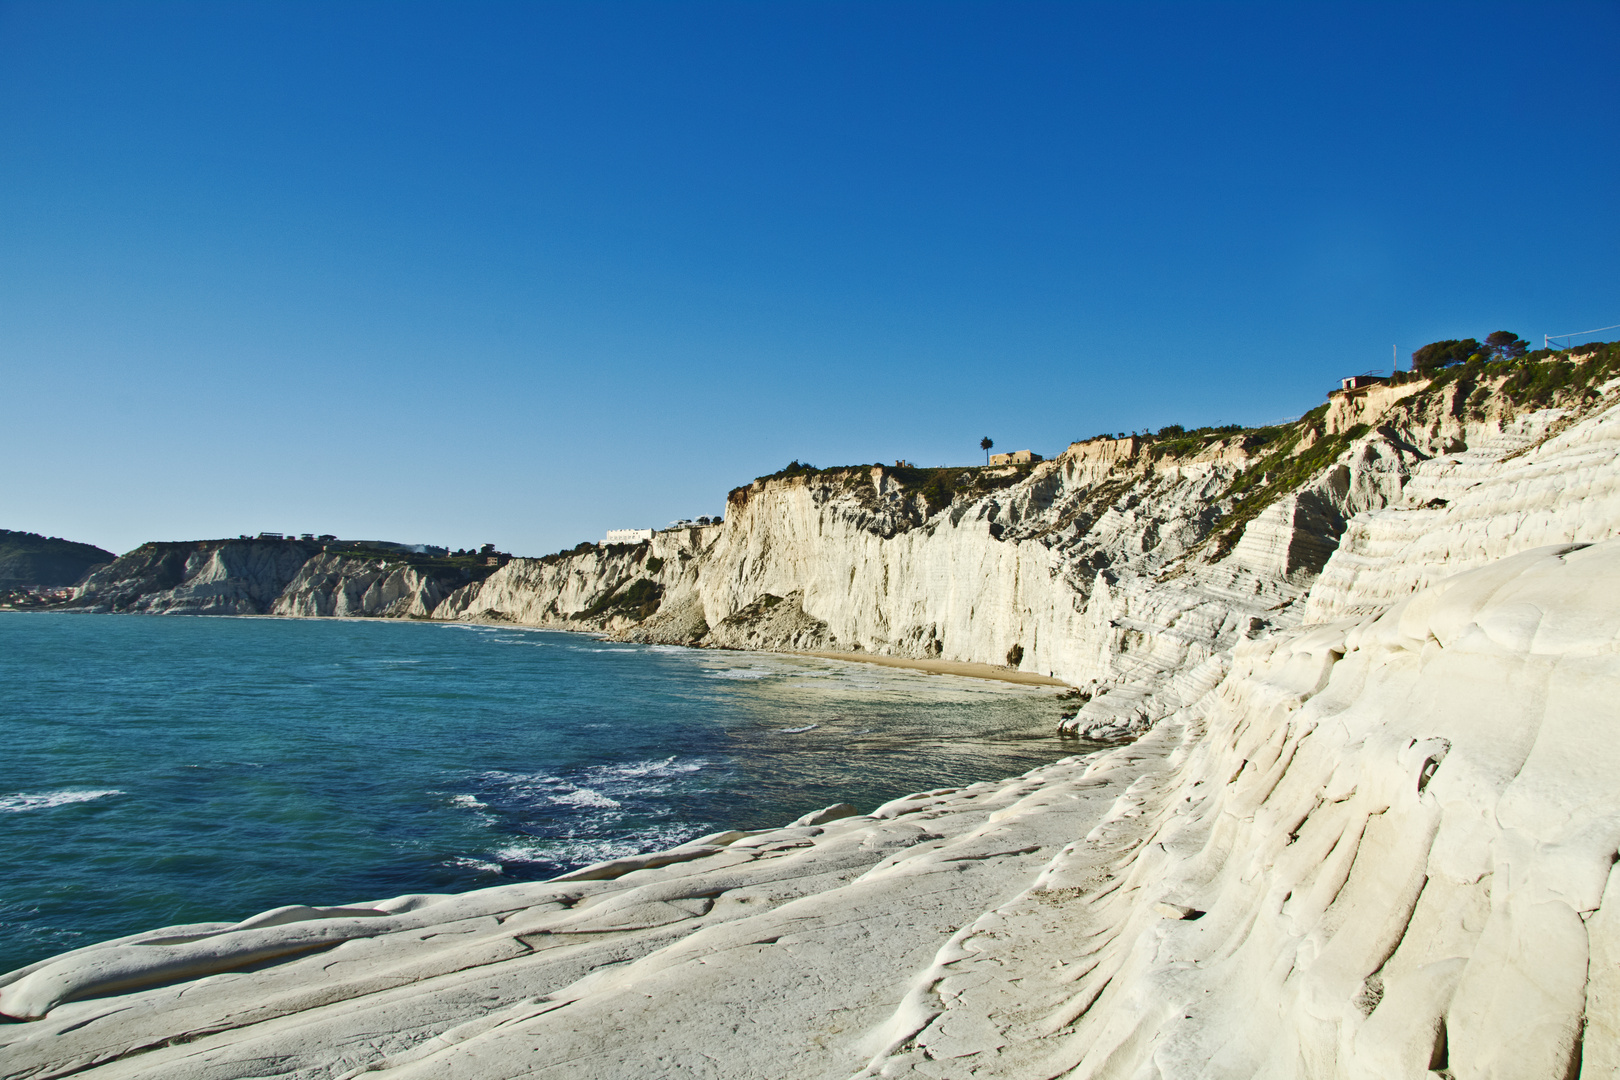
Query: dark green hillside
(29,559)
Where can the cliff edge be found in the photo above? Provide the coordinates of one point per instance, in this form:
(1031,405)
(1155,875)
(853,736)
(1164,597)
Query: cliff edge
(1376,837)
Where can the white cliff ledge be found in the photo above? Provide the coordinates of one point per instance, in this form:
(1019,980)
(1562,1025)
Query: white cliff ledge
(1370,828)
(1377,848)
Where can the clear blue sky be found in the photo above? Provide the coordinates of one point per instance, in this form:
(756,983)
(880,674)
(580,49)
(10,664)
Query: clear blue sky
(523,272)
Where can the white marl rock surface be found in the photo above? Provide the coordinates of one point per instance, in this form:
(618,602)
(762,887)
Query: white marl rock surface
(1371,829)
(1376,848)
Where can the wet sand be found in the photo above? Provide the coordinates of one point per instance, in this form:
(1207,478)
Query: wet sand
(944,667)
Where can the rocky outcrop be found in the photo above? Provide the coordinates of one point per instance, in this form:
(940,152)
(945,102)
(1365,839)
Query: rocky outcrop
(343,585)
(268,577)
(1377,848)
(1124,568)
(1371,827)
(593,588)
(208,577)
(771,622)
(1519,488)
(1128,567)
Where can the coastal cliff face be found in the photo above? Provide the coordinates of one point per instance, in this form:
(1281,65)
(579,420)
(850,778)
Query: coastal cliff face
(1370,829)
(209,577)
(265,577)
(1378,848)
(343,585)
(1057,574)
(1127,567)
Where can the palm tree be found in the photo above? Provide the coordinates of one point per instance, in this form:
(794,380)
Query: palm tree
(985,444)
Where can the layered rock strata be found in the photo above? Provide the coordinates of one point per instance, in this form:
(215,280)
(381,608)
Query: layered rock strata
(266,577)
(1377,848)
(221,577)
(1371,830)
(1126,571)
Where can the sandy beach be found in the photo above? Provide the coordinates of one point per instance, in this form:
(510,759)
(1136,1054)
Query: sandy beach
(944,667)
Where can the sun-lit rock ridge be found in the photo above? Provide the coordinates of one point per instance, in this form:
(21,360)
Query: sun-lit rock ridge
(208,577)
(1370,829)
(1128,567)
(268,577)
(1383,848)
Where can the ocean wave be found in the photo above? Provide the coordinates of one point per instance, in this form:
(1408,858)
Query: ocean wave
(22,800)
(797,730)
(585,797)
(468,862)
(583,851)
(664,767)
(599,794)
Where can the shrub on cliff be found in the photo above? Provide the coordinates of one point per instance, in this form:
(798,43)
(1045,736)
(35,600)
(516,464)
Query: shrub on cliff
(640,601)
(1439,354)
(794,468)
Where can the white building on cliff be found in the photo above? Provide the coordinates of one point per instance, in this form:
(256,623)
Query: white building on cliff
(627,536)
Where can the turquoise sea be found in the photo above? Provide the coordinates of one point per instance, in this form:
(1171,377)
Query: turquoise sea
(158,770)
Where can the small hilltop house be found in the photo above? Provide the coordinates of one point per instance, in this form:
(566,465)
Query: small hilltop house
(1017,457)
(1359,382)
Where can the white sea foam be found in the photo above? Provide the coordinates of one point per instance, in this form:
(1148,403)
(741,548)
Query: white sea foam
(663,767)
(20,801)
(467,802)
(797,730)
(581,851)
(586,797)
(468,862)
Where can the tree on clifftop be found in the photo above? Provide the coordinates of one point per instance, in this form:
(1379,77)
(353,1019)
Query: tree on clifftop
(985,444)
(1506,345)
(1439,354)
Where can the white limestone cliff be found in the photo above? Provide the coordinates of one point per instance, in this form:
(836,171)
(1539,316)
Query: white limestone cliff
(1371,827)
(1383,848)
(342,585)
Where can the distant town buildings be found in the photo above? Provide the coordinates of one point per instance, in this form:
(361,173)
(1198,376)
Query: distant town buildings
(627,536)
(1017,457)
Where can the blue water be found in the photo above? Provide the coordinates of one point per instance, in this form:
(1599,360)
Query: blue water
(158,770)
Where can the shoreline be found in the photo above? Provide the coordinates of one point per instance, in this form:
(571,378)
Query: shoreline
(965,668)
